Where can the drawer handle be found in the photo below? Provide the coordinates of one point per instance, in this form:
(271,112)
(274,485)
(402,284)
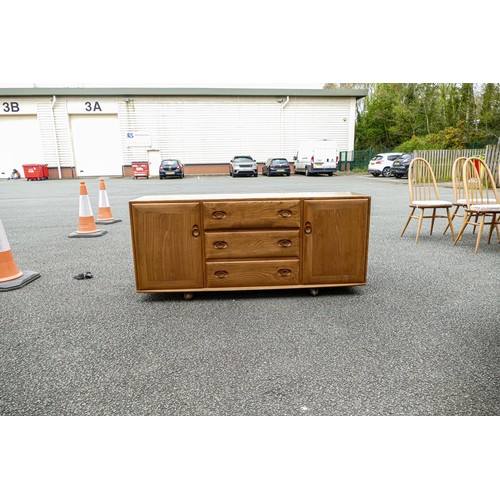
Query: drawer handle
(221,274)
(218,214)
(308,228)
(284,243)
(284,273)
(220,245)
(195,231)
(285,213)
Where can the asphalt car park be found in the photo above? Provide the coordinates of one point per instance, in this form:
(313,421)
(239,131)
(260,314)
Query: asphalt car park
(419,339)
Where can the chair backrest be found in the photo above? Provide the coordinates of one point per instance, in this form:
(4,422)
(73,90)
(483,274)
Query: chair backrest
(421,181)
(479,184)
(457,178)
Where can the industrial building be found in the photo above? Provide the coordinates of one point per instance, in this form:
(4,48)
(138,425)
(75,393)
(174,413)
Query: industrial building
(83,132)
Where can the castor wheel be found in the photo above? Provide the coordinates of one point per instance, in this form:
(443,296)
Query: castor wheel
(314,292)
(188,295)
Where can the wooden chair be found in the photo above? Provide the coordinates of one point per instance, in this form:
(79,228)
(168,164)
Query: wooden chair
(424,196)
(459,200)
(480,191)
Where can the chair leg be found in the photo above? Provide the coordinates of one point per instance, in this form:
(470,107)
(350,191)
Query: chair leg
(474,228)
(462,229)
(450,223)
(452,218)
(408,221)
(420,219)
(433,219)
(493,225)
(480,232)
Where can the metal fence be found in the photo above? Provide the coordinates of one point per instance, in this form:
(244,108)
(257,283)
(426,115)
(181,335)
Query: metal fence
(357,159)
(347,160)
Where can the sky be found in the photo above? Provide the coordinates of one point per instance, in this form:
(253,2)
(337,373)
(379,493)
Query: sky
(267,44)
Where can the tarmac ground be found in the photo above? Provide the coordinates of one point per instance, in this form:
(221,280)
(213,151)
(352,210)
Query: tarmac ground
(422,338)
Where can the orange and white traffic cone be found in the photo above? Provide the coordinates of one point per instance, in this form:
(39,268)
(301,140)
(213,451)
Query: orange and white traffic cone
(10,276)
(104,215)
(86,225)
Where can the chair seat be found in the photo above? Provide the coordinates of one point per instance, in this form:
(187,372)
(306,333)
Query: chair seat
(431,204)
(485,208)
(462,201)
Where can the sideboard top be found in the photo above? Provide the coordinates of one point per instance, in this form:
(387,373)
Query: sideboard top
(246,196)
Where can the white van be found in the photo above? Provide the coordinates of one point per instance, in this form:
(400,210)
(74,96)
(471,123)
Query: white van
(317,157)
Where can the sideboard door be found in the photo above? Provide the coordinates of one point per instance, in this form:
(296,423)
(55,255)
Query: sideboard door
(167,242)
(335,241)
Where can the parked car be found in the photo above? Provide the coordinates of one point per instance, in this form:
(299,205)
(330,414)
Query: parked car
(382,163)
(276,166)
(400,166)
(317,157)
(243,165)
(171,168)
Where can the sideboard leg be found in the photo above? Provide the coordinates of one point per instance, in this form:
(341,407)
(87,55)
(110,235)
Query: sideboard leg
(188,295)
(314,291)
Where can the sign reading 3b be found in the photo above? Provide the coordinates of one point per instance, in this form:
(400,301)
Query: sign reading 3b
(17,108)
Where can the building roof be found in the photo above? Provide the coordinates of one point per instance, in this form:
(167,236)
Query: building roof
(159,91)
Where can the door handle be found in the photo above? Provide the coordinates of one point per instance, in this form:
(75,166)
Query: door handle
(308,228)
(195,231)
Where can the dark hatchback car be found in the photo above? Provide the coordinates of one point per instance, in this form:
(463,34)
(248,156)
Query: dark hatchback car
(276,166)
(171,168)
(400,166)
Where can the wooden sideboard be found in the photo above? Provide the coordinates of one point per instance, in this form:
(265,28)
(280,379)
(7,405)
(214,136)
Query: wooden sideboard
(189,243)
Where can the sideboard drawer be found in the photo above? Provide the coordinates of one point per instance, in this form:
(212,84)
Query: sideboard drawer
(251,214)
(251,244)
(252,273)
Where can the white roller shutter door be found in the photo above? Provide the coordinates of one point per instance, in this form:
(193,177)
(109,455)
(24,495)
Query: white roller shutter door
(20,143)
(96,145)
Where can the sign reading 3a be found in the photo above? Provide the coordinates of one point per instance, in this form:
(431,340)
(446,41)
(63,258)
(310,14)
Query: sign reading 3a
(92,106)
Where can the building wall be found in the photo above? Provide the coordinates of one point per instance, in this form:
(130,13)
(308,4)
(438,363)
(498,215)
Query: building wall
(195,129)
(212,130)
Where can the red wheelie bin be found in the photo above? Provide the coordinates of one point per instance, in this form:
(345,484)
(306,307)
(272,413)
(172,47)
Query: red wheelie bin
(36,172)
(140,169)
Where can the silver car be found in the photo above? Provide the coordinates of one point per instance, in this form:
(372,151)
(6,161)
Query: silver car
(381,164)
(243,165)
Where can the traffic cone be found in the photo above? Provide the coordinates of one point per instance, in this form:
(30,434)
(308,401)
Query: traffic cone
(104,213)
(86,226)
(10,276)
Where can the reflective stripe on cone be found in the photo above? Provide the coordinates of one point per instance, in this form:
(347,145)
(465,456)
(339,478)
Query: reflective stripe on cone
(8,268)
(104,212)
(86,222)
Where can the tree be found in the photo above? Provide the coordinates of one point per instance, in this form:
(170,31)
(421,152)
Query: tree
(430,114)
(488,123)
(375,126)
